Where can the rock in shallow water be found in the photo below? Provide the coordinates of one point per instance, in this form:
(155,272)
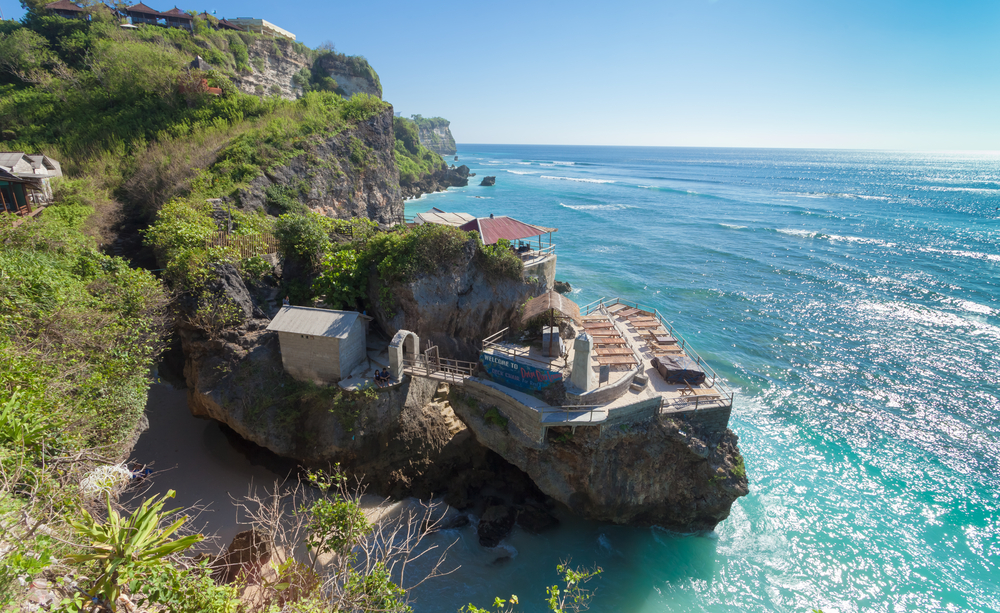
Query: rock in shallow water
(489,181)
(496,523)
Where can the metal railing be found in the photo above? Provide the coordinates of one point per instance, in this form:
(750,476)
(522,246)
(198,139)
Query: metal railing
(452,371)
(717,380)
(534,254)
(496,343)
(589,409)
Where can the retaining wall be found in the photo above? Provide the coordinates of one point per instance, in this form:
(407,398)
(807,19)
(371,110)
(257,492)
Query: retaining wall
(527,419)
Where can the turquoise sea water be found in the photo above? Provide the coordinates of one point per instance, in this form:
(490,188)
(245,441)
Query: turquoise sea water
(853,300)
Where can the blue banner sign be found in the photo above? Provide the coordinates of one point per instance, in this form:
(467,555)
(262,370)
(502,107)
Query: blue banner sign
(515,374)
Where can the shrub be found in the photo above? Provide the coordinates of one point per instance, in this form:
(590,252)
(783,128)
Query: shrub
(302,236)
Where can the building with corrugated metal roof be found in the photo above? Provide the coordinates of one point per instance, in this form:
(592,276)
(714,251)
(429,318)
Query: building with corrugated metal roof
(320,345)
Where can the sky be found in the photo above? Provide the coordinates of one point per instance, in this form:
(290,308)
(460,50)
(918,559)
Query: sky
(914,75)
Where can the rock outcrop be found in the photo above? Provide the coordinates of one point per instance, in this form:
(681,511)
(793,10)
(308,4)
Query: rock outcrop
(352,174)
(663,472)
(439,181)
(273,64)
(435,134)
(453,308)
(488,181)
(351,77)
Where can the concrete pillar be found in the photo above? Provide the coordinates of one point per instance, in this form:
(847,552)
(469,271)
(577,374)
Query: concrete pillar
(583,371)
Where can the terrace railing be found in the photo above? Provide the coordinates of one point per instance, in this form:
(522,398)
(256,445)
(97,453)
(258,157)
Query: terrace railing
(716,382)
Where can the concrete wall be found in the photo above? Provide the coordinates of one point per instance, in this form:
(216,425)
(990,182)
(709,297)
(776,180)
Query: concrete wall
(643,410)
(712,419)
(545,270)
(527,419)
(605,394)
(353,349)
(310,358)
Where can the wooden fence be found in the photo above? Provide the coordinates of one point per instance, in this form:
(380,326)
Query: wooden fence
(246,245)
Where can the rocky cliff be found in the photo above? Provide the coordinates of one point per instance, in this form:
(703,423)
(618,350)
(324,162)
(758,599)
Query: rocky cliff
(663,472)
(435,134)
(351,76)
(274,63)
(352,174)
(455,308)
(438,181)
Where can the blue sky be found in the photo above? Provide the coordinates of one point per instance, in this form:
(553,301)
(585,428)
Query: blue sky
(770,73)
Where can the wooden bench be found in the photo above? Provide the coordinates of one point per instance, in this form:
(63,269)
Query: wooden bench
(597,325)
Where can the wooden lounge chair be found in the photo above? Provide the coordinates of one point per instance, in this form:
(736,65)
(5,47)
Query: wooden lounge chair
(616,360)
(602,351)
(626,313)
(692,393)
(597,325)
(610,340)
(616,307)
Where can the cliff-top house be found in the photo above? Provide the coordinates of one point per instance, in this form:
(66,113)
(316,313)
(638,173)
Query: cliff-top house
(25,180)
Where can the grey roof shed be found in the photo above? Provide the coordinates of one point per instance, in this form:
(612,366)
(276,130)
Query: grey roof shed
(320,344)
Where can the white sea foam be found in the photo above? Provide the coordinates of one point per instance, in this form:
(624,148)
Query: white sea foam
(975,307)
(860,240)
(576,179)
(798,233)
(975,255)
(523,163)
(969,190)
(597,207)
(522,172)
(564,163)
(732,226)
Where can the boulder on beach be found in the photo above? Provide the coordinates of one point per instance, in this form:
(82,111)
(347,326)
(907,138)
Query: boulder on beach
(489,181)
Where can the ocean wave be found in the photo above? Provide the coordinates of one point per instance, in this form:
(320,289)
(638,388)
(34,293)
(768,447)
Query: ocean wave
(800,233)
(575,179)
(521,172)
(818,195)
(597,207)
(974,307)
(732,226)
(564,163)
(968,190)
(975,255)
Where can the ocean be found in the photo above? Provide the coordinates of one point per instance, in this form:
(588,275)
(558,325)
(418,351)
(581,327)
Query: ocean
(852,299)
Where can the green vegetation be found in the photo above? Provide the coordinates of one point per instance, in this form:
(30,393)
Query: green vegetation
(494,418)
(740,470)
(413,159)
(399,256)
(428,125)
(570,598)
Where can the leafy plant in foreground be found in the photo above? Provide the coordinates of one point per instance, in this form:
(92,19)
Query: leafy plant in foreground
(127,550)
(571,598)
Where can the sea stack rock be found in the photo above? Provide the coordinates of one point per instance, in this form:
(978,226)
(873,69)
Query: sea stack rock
(489,181)
(562,287)
(495,524)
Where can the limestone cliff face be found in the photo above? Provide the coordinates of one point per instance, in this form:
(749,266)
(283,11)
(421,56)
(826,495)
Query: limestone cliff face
(273,63)
(352,174)
(351,79)
(662,472)
(435,134)
(455,308)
